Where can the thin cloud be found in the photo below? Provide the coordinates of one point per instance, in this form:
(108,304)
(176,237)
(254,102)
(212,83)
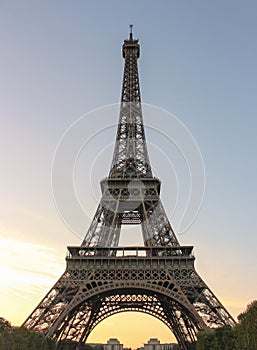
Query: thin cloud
(26,264)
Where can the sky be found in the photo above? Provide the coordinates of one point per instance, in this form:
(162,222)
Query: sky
(60,62)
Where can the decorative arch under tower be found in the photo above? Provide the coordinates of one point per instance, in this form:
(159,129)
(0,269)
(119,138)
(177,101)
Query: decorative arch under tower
(102,278)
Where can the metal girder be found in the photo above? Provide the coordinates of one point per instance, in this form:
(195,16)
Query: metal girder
(96,285)
(97,299)
(130,202)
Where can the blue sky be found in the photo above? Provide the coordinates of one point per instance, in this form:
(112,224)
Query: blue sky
(62,59)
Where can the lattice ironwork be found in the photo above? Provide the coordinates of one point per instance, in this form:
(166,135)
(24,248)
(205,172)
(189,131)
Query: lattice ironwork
(101,278)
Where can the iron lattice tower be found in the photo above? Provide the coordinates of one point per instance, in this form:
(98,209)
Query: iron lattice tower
(101,278)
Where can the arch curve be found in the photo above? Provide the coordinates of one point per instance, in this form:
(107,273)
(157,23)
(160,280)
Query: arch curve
(87,312)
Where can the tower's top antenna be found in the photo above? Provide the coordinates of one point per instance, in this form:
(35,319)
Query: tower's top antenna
(131,32)
(130,44)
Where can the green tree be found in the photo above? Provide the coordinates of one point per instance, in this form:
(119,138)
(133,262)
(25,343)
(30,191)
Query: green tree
(224,339)
(19,338)
(71,345)
(246,330)
(176,347)
(4,325)
(25,339)
(220,339)
(5,334)
(205,340)
(97,347)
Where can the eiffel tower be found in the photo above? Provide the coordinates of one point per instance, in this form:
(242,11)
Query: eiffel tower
(103,278)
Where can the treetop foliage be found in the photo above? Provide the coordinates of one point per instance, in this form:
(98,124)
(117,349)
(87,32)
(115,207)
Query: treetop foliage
(241,337)
(19,338)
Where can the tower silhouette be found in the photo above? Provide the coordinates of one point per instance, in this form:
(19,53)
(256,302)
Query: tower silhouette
(102,278)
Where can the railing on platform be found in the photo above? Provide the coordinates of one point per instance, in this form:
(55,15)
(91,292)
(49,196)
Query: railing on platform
(129,252)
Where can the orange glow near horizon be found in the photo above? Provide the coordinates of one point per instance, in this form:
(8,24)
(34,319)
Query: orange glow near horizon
(132,329)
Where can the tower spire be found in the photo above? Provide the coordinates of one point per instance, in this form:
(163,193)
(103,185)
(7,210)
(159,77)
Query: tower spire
(131,32)
(130,159)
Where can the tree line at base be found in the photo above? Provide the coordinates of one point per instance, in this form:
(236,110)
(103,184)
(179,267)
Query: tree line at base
(243,336)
